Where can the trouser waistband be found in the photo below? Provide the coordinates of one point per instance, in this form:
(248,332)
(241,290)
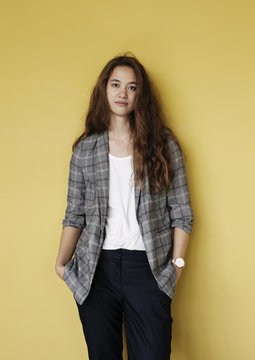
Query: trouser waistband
(124,255)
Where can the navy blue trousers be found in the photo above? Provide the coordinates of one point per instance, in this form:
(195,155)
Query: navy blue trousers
(124,288)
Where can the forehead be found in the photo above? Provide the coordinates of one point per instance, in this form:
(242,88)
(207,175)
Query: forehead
(123,73)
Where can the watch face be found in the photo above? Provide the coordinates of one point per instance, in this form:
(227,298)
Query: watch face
(179,262)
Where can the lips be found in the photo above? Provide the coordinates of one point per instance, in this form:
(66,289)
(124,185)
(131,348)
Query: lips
(121,103)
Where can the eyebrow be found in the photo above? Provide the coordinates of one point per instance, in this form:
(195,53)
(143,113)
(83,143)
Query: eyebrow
(131,82)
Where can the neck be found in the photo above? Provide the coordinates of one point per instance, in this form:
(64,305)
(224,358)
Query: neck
(119,129)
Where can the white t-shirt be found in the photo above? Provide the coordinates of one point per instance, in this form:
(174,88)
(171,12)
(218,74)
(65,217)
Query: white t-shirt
(122,229)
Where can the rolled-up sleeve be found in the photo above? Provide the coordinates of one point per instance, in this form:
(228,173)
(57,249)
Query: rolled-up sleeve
(181,213)
(74,214)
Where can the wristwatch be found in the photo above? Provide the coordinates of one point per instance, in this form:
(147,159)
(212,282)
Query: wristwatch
(179,262)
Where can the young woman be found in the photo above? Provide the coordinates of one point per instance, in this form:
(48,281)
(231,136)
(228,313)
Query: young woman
(128,218)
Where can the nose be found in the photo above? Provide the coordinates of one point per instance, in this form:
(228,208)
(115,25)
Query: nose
(123,92)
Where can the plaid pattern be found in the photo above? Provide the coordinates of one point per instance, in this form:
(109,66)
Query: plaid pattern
(87,201)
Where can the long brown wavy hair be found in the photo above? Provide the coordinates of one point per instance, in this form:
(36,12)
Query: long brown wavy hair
(150,134)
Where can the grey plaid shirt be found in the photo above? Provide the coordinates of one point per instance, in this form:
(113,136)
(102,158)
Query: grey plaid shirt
(87,203)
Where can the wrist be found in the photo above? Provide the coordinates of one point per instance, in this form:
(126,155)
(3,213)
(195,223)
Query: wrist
(59,264)
(60,271)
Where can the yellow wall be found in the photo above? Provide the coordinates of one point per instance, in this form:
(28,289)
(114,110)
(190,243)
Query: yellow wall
(201,56)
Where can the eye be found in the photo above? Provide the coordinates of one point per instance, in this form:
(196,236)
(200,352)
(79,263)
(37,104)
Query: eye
(114,84)
(133,88)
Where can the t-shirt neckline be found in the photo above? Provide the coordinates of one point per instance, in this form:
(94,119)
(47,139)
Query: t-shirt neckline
(120,157)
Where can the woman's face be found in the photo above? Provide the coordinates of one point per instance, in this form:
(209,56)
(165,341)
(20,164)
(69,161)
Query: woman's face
(121,90)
